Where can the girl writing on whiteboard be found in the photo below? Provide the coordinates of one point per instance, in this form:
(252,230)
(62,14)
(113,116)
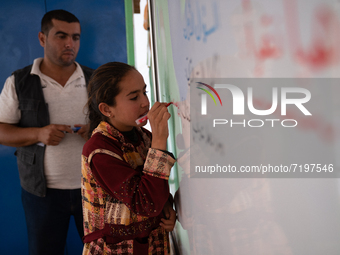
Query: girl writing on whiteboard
(125,170)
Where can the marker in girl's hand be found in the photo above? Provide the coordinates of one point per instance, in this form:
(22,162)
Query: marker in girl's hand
(145,117)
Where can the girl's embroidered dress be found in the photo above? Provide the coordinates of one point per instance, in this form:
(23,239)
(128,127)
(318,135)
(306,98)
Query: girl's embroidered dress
(124,189)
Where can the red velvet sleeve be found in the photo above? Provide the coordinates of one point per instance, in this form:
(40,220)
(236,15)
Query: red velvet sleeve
(145,194)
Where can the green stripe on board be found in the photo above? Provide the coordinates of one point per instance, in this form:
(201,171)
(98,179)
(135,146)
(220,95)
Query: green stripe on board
(130,47)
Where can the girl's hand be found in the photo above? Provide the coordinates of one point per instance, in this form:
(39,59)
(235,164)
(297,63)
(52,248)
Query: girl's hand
(158,117)
(170,217)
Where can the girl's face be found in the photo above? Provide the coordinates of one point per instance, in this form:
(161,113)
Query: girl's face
(131,103)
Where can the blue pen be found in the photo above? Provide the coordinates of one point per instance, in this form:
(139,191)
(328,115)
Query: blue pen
(75,129)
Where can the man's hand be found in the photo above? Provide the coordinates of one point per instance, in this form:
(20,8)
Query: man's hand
(53,134)
(12,135)
(82,131)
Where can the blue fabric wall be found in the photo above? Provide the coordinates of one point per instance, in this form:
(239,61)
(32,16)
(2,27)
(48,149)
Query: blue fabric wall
(103,39)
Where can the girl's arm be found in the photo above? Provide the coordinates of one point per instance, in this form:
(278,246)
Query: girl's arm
(158,117)
(145,195)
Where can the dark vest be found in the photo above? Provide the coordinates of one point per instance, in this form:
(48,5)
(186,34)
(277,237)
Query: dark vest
(34,113)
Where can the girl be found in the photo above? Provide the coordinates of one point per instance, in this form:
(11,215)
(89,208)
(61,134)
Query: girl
(125,172)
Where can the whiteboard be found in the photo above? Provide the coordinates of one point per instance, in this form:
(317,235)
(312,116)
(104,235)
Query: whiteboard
(280,41)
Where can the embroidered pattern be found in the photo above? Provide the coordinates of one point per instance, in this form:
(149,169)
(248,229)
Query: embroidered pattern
(100,209)
(158,164)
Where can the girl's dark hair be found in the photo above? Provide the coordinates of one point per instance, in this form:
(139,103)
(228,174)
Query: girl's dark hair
(103,88)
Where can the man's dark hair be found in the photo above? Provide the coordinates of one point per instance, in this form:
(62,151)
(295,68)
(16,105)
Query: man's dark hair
(62,15)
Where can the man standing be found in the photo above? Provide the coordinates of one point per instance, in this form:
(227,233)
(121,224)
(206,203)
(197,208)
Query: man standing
(38,106)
